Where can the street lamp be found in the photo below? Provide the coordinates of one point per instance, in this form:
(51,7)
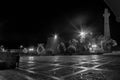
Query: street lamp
(21,46)
(31,49)
(82,34)
(55,36)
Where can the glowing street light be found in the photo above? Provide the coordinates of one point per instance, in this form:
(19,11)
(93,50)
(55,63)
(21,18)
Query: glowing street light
(55,36)
(94,46)
(21,46)
(31,49)
(82,34)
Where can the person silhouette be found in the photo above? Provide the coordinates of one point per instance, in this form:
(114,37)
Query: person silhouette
(17,60)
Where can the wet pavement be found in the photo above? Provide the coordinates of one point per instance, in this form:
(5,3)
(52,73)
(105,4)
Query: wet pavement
(89,67)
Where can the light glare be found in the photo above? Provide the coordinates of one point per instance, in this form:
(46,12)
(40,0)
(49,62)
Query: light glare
(55,36)
(31,49)
(82,34)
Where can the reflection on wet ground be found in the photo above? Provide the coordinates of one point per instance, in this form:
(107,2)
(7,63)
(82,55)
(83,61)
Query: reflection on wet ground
(91,67)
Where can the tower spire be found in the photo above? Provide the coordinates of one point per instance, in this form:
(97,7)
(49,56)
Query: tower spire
(106,24)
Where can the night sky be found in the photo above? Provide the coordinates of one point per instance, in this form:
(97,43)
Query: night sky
(34,23)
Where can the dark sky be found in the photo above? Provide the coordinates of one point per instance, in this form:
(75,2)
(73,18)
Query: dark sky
(34,23)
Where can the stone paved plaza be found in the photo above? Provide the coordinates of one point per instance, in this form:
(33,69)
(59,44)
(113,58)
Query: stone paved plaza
(63,68)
